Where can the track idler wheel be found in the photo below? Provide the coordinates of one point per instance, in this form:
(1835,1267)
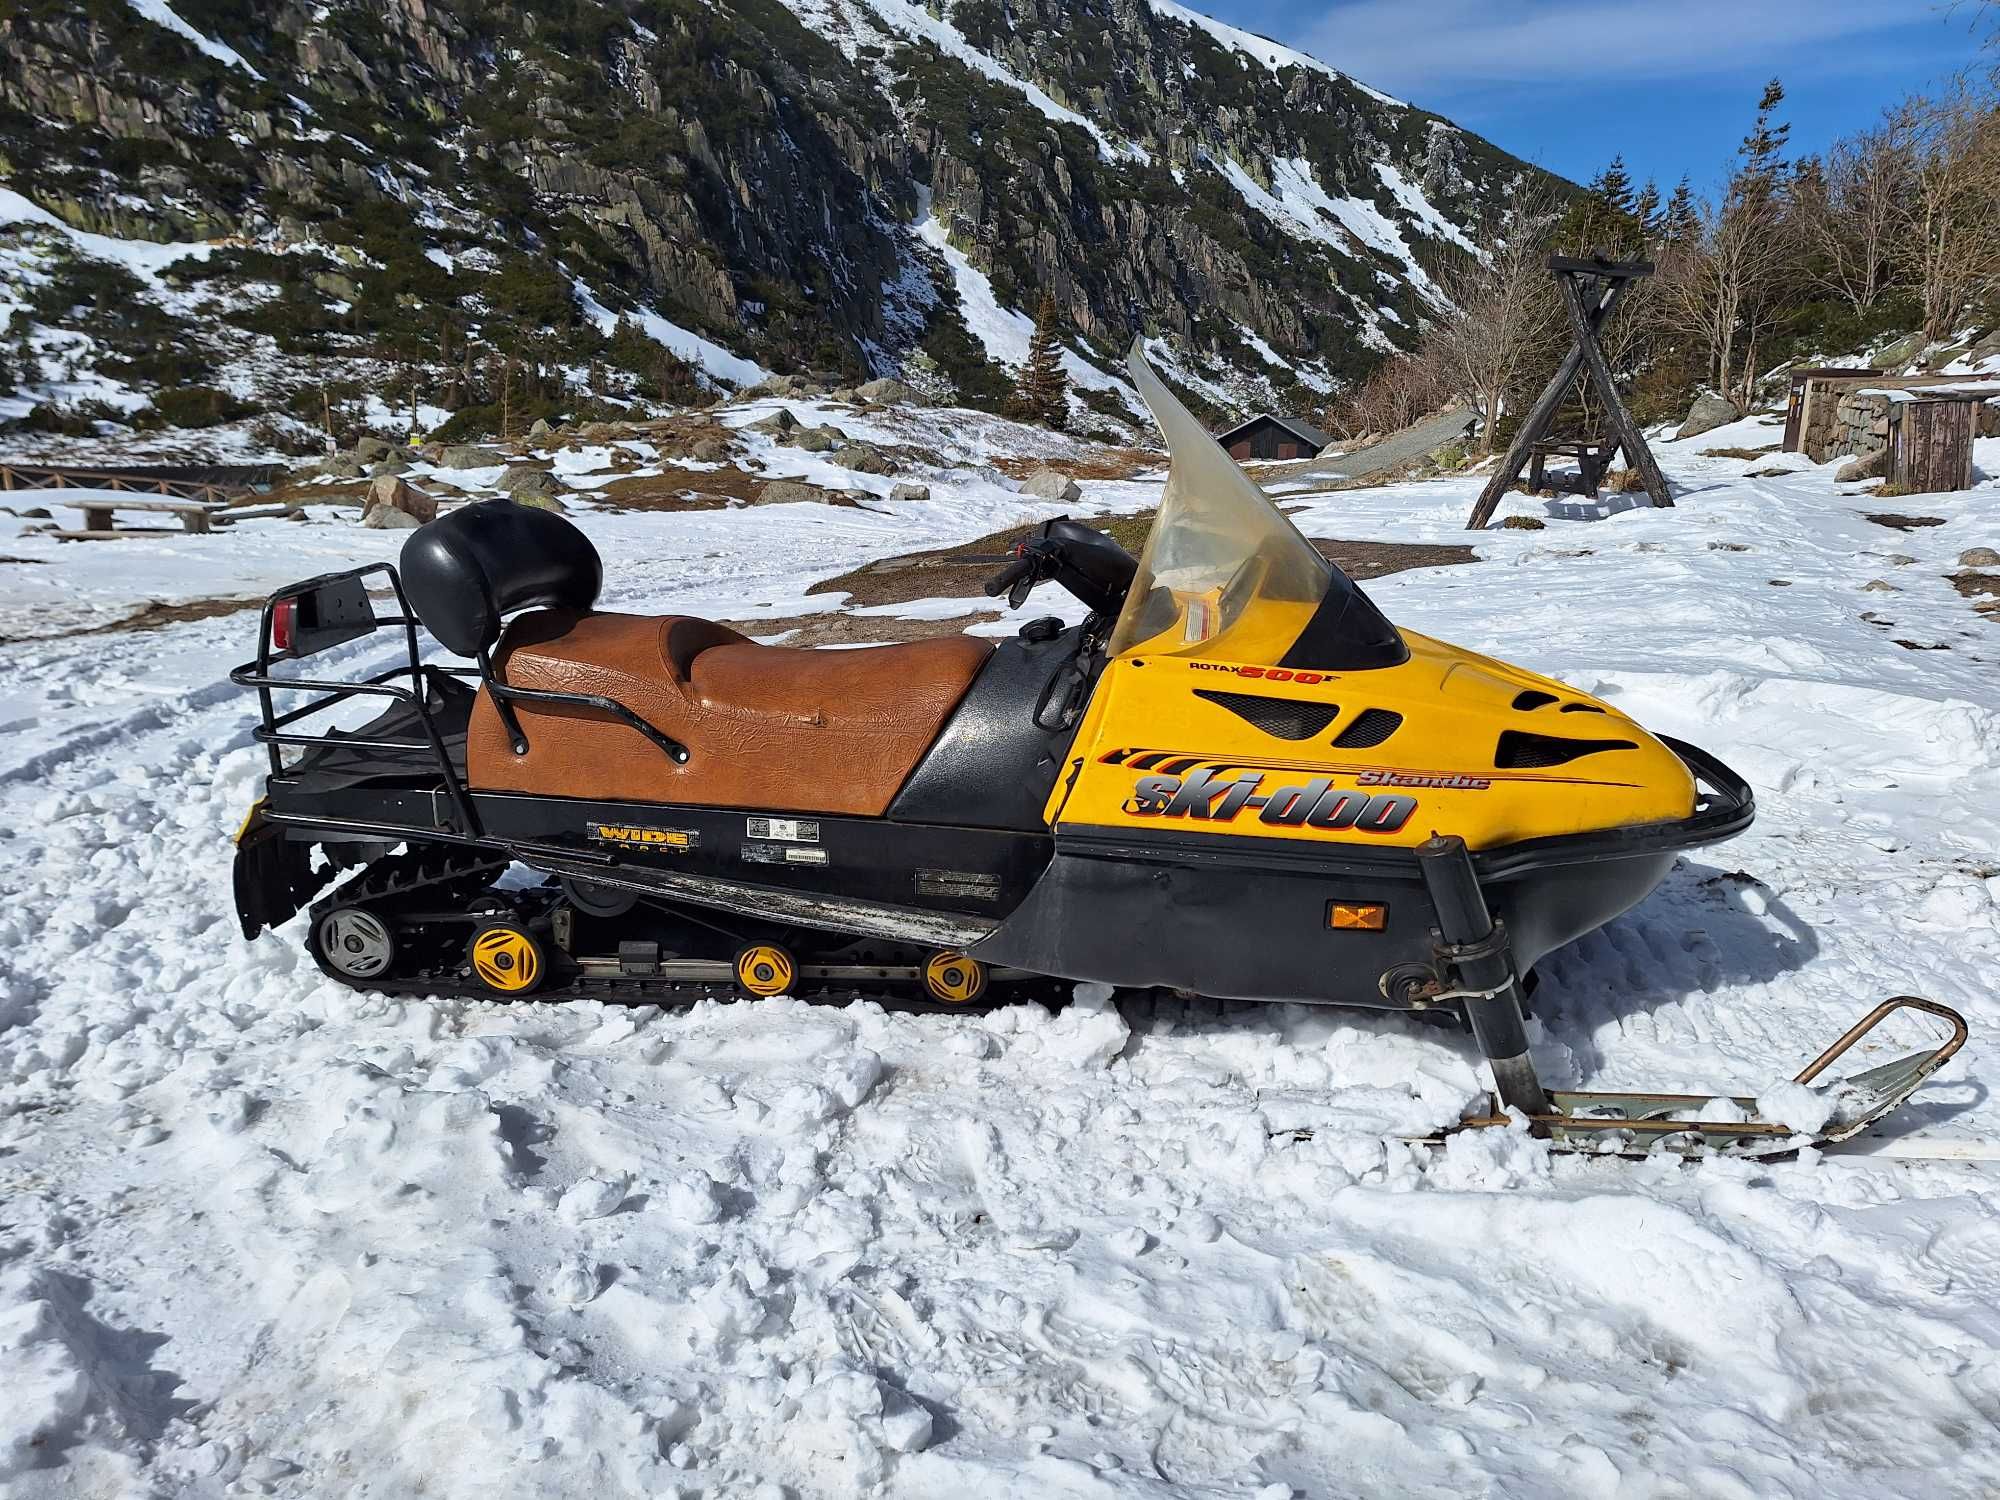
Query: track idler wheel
(765,969)
(507,958)
(953,979)
(354,943)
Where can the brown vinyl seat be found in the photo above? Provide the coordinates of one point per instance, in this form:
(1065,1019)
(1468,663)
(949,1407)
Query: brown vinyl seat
(766,727)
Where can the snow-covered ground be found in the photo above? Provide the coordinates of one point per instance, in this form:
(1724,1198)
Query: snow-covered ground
(261,1235)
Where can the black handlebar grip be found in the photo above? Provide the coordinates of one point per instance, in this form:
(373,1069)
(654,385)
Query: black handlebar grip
(1008,576)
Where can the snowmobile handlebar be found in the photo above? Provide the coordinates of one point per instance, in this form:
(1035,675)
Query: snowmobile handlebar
(1085,561)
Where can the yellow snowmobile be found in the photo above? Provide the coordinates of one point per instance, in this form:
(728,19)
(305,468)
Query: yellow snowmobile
(1235,778)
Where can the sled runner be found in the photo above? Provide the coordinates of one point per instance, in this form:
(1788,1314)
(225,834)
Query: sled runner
(1234,778)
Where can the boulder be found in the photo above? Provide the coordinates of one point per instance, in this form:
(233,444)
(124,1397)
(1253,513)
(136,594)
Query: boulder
(777,424)
(1709,412)
(1047,484)
(341,466)
(844,394)
(371,450)
(1868,466)
(535,500)
(1899,353)
(775,385)
(708,450)
(523,480)
(1879,586)
(388,518)
(601,432)
(864,459)
(1979,557)
(888,392)
(466,456)
(907,491)
(792,492)
(395,463)
(541,429)
(814,439)
(391,493)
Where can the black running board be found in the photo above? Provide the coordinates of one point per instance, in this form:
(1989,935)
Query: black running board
(806,909)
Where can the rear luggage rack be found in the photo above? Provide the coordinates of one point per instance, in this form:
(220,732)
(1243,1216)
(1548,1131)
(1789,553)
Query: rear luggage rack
(409,684)
(334,609)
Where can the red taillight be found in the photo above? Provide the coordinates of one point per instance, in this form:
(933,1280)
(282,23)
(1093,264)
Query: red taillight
(284,615)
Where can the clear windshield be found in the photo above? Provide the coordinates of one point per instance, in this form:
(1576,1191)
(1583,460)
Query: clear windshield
(1224,574)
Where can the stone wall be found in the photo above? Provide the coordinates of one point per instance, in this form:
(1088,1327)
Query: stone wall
(1846,418)
(1860,426)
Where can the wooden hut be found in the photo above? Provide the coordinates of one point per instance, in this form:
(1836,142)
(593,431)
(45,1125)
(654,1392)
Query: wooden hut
(1930,442)
(1273,439)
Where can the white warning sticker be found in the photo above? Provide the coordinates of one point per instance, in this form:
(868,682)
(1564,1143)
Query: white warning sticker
(784,830)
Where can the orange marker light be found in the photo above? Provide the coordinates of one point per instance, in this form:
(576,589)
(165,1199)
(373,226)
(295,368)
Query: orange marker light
(1357,916)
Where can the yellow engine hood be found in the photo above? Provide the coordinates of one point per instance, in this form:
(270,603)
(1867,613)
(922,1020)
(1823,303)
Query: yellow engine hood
(1448,742)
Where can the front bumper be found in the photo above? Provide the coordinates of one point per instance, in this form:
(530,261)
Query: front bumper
(1245,918)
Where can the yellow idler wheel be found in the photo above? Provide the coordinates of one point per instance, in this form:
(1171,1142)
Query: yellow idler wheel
(765,969)
(507,958)
(953,978)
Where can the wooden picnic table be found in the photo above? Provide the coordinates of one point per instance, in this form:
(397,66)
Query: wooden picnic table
(1593,456)
(99,509)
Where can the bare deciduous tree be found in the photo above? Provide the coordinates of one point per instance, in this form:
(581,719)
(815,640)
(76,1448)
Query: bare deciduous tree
(1849,213)
(1723,288)
(1946,246)
(1401,390)
(1504,310)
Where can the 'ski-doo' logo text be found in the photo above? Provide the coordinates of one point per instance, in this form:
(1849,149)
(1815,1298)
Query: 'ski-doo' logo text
(1218,798)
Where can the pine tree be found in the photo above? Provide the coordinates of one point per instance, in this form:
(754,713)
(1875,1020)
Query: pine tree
(1646,209)
(1613,188)
(1763,147)
(1681,223)
(1042,392)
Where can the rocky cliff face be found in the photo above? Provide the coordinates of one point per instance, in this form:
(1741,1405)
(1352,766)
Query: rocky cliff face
(436,195)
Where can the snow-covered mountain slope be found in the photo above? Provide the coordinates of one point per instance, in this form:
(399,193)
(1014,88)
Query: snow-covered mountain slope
(397,200)
(261,1235)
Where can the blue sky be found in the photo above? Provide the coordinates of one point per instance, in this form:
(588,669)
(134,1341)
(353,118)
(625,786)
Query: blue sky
(1670,83)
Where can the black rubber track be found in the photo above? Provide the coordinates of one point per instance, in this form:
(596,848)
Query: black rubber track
(441,881)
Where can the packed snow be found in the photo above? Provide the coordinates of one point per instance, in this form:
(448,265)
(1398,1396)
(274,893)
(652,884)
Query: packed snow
(260,1234)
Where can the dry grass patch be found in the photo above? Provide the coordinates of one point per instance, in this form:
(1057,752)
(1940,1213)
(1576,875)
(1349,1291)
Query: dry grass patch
(1109,463)
(1743,453)
(1983,589)
(1896,522)
(957,572)
(153,615)
(678,490)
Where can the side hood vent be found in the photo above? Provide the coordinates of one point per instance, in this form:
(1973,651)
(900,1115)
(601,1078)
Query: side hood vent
(1370,727)
(1281,718)
(1519,751)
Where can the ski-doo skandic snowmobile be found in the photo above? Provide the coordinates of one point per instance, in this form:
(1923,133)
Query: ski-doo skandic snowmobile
(1235,778)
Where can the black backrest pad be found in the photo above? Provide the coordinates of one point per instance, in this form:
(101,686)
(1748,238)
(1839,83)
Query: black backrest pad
(469,569)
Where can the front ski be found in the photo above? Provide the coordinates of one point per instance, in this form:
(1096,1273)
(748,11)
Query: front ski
(1635,1124)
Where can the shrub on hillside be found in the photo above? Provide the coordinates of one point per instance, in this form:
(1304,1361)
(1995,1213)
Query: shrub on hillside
(190,406)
